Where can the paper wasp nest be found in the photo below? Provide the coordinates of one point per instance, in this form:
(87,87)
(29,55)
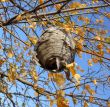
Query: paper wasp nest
(54,49)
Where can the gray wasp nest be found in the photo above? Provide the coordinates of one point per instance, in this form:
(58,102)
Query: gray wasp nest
(54,49)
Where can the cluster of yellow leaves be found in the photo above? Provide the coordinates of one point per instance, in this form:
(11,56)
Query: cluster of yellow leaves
(34,74)
(12,74)
(33,39)
(77,5)
(58,78)
(85,19)
(90,91)
(61,101)
(80,31)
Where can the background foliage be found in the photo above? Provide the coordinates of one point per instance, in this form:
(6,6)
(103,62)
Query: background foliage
(25,84)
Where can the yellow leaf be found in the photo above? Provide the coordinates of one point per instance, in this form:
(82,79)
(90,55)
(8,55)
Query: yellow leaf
(1,62)
(12,73)
(99,21)
(75,101)
(108,103)
(58,6)
(33,40)
(62,102)
(77,77)
(100,46)
(0,46)
(91,99)
(10,54)
(92,92)
(90,62)
(108,50)
(19,17)
(95,60)
(86,104)
(52,102)
(70,67)
(4,0)
(34,75)
(41,1)
(58,78)
(87,87)
(108,15)
(75,5)
(95,1)
(95,82)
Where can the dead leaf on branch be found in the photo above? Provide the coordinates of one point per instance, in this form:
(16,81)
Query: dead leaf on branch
(58,78)
(70,67)
(12,74)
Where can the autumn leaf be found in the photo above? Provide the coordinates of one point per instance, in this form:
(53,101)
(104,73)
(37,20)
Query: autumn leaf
(58,6)
(19,17)
(33,40)
(4,0)
(95,81)
(12,73)
(108,50)
(41,1)
(91,99)
(1,62)
(100,46)
(58,78)
(34,74)
(10,54)
(75,101)
(77,77)
(85,104)
(70,67)
(0,46)
(62,102)
(90,62)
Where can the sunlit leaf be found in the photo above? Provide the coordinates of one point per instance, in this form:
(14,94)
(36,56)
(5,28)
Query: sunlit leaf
(10,54)
(70,67)
(108,50)
(34,74)
(75,101)
(41,1)
(95,81)
(91,99)
(4,0)
(33,40)
(2,61)
(90,62)
(85,104)
(77,77)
